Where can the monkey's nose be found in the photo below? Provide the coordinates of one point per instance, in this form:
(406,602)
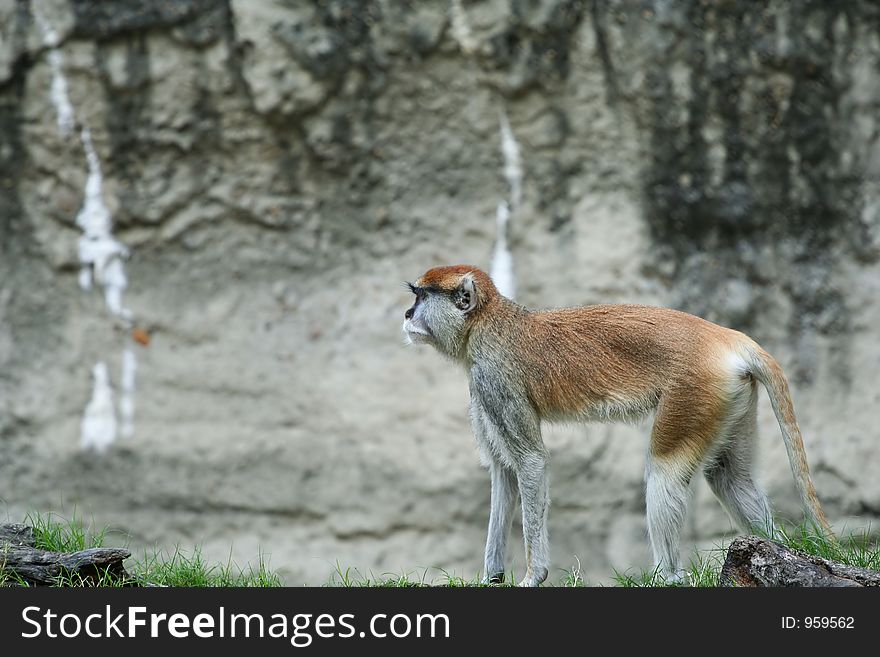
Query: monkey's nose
(408,314)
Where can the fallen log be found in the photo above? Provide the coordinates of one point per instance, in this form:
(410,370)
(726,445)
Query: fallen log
(17,534)
(26,564)
(753,561)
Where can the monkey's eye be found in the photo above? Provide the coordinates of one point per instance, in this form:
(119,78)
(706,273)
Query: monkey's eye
(420,292)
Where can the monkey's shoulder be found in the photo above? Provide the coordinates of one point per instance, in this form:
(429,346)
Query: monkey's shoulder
(494,372)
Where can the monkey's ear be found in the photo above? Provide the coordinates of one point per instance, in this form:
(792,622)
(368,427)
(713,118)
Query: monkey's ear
(465,295)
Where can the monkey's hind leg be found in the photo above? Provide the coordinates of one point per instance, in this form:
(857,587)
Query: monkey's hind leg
(686,425)
(667,492)
(730,473)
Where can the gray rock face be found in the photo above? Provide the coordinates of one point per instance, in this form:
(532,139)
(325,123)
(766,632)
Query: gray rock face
(278,168)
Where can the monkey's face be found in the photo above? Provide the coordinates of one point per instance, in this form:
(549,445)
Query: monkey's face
(415,325)
(439,314)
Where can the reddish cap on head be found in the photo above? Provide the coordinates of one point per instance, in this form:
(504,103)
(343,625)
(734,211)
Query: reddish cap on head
(448,278)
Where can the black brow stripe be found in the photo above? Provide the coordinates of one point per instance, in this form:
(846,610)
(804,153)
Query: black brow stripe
(429,289)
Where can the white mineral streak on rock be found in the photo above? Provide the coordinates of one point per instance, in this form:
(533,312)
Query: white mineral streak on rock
(101,261)
(98,425)
(461,31)
(501,269)
(58,89)
(513,173)
(127,384)
(58,92)
(100,253)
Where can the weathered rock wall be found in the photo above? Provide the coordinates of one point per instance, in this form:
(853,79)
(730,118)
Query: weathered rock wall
(278,168)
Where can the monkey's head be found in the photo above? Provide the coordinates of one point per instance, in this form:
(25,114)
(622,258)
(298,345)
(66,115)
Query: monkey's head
(448,299)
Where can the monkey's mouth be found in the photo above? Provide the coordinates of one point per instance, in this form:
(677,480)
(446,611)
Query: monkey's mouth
(416,333)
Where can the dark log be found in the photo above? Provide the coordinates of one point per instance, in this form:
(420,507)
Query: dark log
(754,561)
(23,562)
(17,534)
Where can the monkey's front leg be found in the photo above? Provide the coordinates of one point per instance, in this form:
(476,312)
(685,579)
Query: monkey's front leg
(504,489)
(534,490)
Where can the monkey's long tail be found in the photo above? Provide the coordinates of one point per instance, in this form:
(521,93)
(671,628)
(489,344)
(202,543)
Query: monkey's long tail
(765,368)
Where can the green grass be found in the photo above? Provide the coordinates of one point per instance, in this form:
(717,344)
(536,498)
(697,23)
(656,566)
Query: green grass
(58,534)
(10,579)
(189,568)
(704,571)
(353,578)
(860,549)
(177,568)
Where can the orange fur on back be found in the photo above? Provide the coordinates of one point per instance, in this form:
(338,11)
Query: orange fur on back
(614,360)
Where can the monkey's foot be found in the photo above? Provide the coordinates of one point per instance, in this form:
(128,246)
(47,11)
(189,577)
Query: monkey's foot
(677,577)
(497,578)
(535,578)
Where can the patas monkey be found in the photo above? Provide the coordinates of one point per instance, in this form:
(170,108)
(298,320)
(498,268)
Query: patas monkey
(606,363)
